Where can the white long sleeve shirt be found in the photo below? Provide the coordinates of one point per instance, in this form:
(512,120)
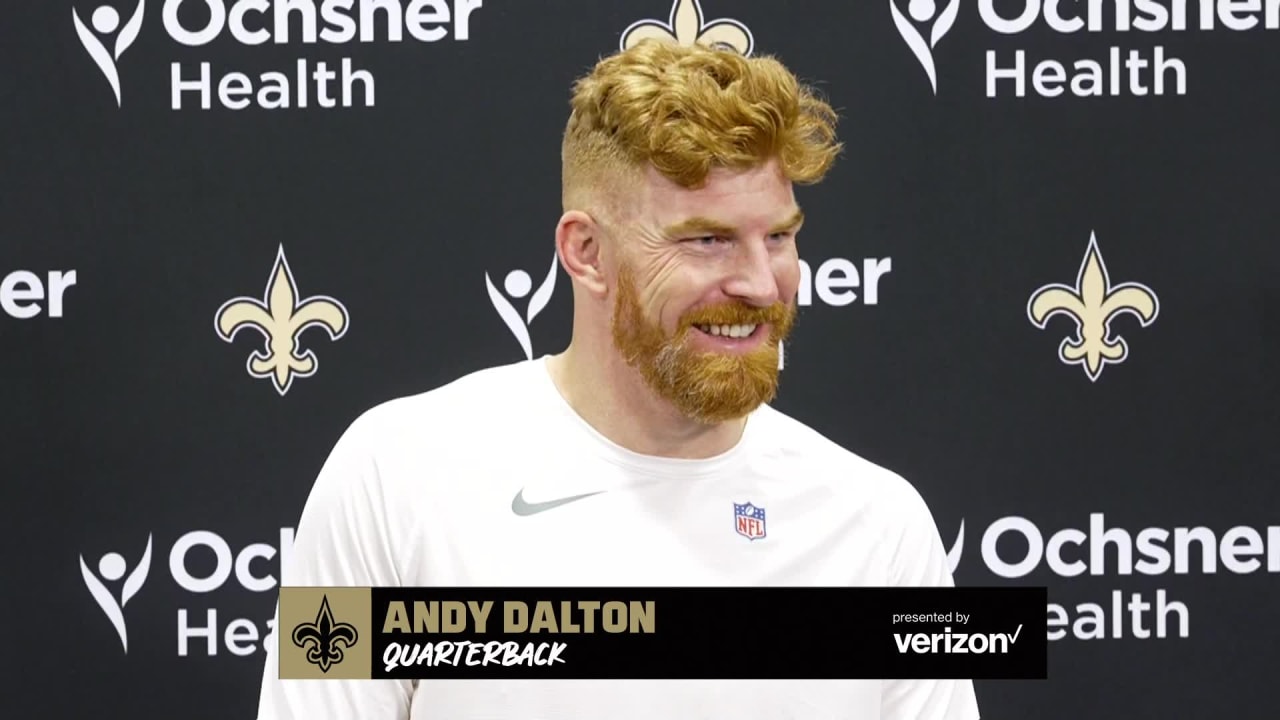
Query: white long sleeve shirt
(424,490)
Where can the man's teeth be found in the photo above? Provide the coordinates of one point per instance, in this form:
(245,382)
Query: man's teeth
(733,331)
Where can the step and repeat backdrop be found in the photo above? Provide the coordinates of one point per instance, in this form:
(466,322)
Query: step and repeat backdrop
(1040,284)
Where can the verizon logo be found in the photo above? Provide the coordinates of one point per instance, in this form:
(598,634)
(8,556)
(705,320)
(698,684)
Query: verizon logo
(949,643)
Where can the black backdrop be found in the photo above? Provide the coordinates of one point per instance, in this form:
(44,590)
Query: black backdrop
(131,423)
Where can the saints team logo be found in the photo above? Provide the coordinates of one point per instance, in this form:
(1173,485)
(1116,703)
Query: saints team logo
(688,26)
(748,521)
(1092,304)
(281,319)
(325,639)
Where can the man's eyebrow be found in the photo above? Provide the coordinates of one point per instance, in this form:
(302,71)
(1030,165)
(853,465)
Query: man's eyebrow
(697,225)
(791,223)
(706,226)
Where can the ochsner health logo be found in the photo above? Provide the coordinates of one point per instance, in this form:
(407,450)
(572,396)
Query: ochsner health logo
(517,284)
(253,568)
(925,12)
(1015,547)
(310,81)
(1100,50)
(106,20)
(112,567)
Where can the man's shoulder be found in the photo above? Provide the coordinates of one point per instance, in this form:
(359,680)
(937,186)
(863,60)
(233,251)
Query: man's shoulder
(789,438)
(480,391)
(839,468)
(872,497)
(481,396)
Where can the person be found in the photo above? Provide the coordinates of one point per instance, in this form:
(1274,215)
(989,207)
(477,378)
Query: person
(615,462)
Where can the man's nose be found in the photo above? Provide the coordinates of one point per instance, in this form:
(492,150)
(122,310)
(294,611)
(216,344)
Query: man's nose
(753,278)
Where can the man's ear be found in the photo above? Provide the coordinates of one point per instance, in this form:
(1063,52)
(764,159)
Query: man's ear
(578,243)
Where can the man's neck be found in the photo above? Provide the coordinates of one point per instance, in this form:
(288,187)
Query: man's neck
(612,397)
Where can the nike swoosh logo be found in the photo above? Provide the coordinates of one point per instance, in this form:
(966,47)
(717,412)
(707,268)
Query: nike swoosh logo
(522,508)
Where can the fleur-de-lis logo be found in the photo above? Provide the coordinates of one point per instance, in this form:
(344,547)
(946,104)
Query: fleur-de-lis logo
(1093,303)
(281,318)
(324,640)
(687,26)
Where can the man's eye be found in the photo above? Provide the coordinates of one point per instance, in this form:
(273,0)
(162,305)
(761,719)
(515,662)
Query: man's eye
(707,239)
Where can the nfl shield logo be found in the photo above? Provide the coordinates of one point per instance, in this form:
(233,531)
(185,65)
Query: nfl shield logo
(748,520)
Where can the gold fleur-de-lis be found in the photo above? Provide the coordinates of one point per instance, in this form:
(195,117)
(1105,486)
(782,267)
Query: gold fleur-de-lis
(687,26)
(281,318)
(1093,303)
(324,640)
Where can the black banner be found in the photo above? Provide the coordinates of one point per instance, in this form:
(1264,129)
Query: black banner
(709,633)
